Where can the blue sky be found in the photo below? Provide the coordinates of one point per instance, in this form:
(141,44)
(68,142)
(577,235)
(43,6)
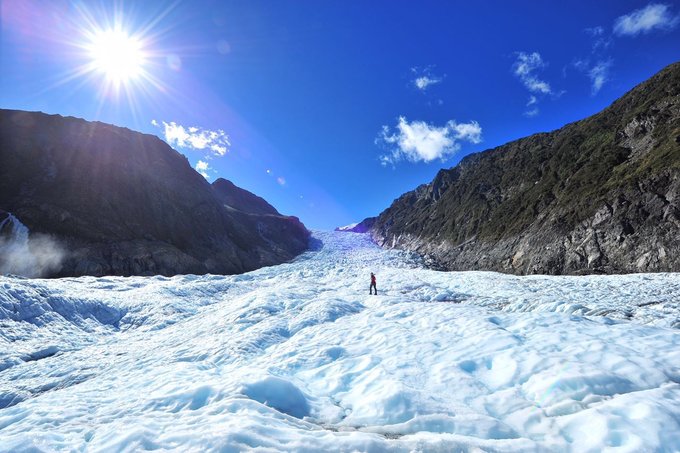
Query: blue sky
(331,109)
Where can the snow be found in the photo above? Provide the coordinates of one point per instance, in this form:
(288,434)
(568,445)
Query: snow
(299,357)
(347,227)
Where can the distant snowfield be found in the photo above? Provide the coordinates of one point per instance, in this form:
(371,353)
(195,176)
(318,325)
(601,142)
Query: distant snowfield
(299,357)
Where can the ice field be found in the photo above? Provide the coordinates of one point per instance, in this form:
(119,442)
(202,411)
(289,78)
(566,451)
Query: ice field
(299,357)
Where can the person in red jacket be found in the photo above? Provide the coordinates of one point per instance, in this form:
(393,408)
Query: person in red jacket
(373,286)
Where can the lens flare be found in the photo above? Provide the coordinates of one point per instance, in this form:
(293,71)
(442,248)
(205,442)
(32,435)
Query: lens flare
(113,52)
(117,55)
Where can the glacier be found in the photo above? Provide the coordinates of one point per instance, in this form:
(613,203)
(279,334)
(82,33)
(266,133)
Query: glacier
(299,357)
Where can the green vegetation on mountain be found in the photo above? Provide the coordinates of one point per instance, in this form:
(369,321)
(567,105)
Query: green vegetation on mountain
(597,195)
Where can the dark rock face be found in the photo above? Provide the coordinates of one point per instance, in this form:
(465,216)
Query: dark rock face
(125,203)
(235,197)
(601,195)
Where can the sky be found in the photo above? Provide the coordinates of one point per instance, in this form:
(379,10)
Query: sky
(330,109)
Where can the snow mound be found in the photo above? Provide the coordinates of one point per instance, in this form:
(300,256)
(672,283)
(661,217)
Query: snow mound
(299,357)
(279,394)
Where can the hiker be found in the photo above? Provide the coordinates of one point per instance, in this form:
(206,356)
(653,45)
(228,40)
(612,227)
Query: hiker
(373,287)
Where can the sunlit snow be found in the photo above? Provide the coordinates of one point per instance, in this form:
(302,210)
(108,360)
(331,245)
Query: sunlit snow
(299,357)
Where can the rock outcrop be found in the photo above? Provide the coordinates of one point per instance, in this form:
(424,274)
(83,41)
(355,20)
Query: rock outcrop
(124,203)
(601,195)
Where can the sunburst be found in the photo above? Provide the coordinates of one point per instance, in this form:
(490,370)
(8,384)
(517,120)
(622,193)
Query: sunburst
(113,53)
(118,56)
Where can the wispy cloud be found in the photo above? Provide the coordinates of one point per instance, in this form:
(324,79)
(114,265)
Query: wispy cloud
(418,141)
(531,113)
(601,41)
(598,64)
(595,31)
(655,16)
(424,77)
(599,74)
(525,67)
(533,100)
(215,142)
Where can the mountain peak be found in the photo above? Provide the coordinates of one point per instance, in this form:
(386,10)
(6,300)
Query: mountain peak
(241,199)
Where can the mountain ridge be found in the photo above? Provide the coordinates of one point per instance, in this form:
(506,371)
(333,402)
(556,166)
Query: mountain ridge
(126,203)
(237,198)
(596,195)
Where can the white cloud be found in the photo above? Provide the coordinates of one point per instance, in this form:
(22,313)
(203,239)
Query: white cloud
(601,42)
(525,68)
(203,167)
(419,141)
(425,78)
(197,138)
(537,86)
(531,113)
(643,20)
(423,82)
(220,150)
(599,74)
(154,123)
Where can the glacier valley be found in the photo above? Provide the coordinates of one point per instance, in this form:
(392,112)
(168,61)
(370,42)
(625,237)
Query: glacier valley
(299,357)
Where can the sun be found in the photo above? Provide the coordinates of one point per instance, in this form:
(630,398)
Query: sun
(117,55)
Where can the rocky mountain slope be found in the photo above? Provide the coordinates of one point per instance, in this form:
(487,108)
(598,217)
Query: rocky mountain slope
(235,197)
(124,203)
(597,195)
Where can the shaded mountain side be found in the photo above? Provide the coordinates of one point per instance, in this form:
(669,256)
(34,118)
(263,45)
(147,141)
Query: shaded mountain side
(597,195)
(235,197)
(125,203)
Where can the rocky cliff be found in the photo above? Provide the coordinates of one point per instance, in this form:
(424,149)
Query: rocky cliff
(597,195)
(124,203)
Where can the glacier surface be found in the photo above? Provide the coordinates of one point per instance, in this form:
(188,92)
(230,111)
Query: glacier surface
(299,357)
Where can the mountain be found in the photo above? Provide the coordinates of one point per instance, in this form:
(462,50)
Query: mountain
(361,227)
(234,197)
(597,195)
(119,202)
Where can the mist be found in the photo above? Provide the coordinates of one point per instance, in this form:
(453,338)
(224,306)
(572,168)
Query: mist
(28,254)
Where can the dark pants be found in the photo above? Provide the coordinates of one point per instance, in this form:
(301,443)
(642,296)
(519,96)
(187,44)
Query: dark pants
(373,287)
